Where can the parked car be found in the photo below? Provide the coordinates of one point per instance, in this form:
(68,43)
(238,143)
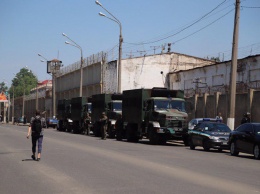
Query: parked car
(51,122)
(209,135)
(246,139)
(196,121)
(193,123)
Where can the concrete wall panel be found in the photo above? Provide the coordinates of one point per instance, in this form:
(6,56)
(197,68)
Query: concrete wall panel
(255,111)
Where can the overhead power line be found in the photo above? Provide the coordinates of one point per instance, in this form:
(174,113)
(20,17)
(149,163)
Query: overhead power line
(143,43)
(200,28)
(250,7)
(204,26)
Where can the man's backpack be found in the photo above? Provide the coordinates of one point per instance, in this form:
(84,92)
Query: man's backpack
(37,126)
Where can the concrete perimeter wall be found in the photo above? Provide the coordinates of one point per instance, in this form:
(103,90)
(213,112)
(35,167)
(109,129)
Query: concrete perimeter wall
(210,105)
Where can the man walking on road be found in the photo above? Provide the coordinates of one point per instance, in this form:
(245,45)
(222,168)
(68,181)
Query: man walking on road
(36,130)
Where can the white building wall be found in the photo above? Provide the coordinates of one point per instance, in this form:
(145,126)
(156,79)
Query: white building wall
(216,77)
(150,71)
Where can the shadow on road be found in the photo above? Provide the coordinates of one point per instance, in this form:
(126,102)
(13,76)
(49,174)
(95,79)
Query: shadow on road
(28,159)
(242,155)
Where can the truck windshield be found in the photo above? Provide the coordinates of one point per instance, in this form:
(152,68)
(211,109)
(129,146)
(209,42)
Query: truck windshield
(166,104)
(177,104)
(117,106)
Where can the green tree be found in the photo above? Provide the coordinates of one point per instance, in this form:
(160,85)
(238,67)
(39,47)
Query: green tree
(3,87)
(22,83)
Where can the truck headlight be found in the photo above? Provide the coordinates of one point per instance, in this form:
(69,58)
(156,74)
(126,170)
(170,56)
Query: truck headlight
(160,130)
(214,138)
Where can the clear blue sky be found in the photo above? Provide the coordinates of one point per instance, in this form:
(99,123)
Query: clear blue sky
(29,27)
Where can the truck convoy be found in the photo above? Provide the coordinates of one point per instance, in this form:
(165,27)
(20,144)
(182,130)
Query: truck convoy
(71,114)
(158,114)
(64,115)
(111,104)
(79,108)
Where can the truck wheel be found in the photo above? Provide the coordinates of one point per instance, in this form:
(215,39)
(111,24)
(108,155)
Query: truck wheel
(206,146)
(131,134)
(128,134)
(186,140)
(111,132)
(162,141)
(97,129)
(153,137)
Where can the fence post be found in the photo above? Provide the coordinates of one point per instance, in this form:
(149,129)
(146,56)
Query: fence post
(250,96)
(205,97)
(195,104)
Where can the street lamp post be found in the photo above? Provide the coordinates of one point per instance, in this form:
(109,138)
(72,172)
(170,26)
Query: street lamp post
(120,43)
(13,107)
(24,90)
(81,61)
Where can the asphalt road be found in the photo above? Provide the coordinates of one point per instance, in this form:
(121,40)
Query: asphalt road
(84,164)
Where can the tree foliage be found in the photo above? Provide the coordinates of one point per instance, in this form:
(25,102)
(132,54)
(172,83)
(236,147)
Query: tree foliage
(22,83)
(3,87)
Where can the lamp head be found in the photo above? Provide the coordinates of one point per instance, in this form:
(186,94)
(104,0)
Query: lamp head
(63,34)
(42,60)
(39,54)
(98,3)
(66,42)
(101,14)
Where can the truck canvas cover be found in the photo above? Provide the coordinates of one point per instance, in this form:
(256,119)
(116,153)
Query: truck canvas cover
(133,104)
(164,92)
(76,107)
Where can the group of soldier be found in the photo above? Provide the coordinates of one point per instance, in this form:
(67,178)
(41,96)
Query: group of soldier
(102,121)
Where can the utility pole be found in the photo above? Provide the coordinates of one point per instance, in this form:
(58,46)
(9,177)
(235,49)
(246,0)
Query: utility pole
(131,55)
(141,52)
(233,72)
(154,48)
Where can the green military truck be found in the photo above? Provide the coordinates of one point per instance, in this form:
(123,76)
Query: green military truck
(158,114)
(111,104)
(79,107)
(64,115)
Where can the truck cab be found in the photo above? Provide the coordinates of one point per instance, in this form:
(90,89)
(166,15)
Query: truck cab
(113,112)
(158,114)
(164,119)
(87,124)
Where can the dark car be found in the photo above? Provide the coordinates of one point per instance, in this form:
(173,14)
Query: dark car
(246,139)
(193,123)
(209,135)
(51,122)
